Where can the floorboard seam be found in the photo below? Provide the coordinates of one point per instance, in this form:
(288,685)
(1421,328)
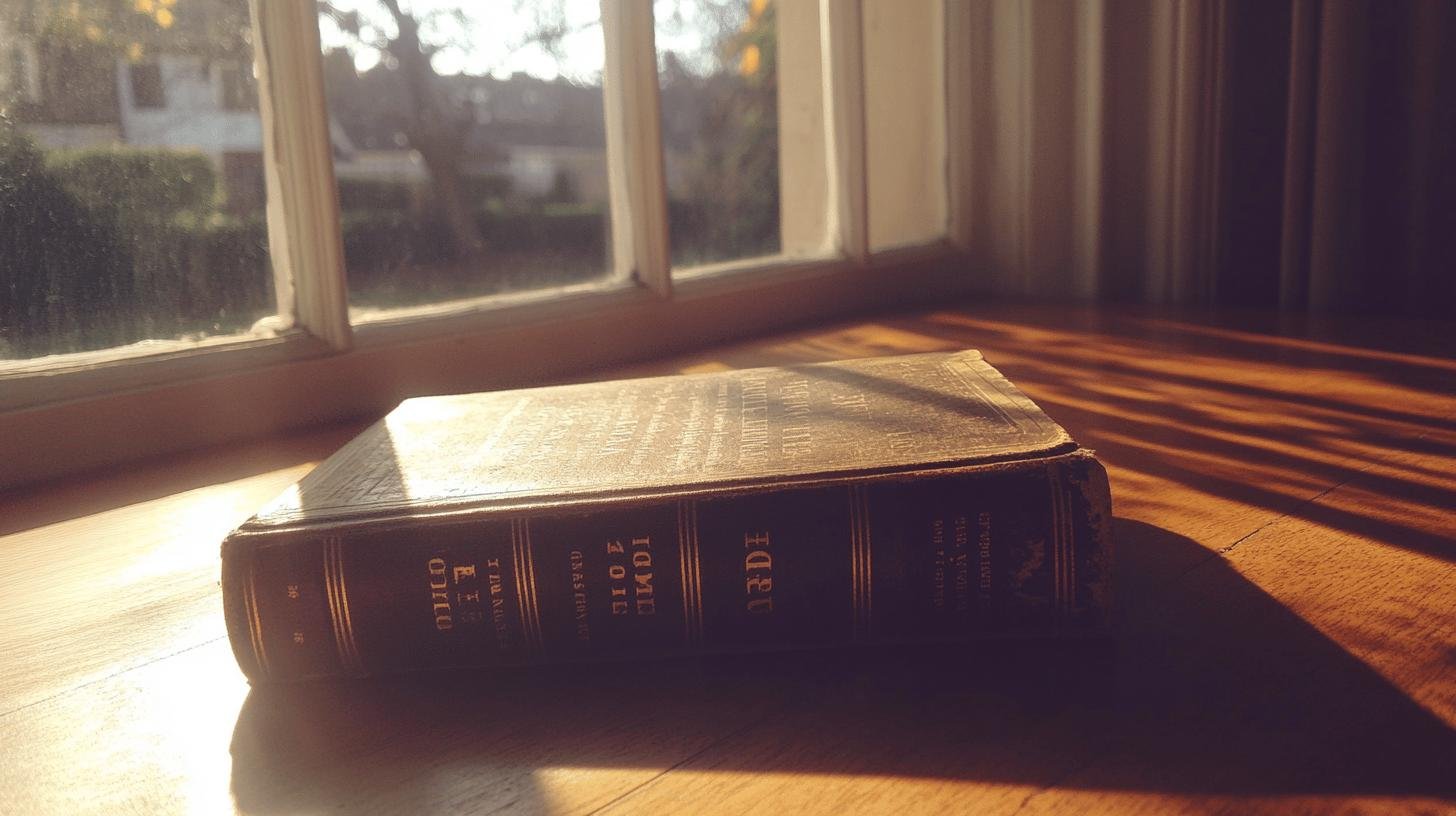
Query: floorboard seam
(1054,784)
(685,760)
(1224,551)
(93,681)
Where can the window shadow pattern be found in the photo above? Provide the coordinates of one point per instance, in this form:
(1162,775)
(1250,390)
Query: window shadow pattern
(1210,691)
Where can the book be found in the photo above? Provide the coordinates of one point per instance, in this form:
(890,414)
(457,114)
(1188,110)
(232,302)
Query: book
(918,498)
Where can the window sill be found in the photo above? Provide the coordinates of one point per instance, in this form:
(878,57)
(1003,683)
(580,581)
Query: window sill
(107,411)
(61,377)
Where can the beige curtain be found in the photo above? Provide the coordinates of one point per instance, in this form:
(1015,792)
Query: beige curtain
(1292,154)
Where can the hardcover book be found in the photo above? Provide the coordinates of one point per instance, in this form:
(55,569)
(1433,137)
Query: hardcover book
(901,499)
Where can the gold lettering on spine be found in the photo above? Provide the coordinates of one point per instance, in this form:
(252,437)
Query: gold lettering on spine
(439,597)
(255,621)
(338,597)
(758,573)
(860,562)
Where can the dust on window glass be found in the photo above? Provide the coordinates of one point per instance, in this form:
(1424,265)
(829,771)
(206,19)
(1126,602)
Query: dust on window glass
(131,190)
(718,73)
(469,146)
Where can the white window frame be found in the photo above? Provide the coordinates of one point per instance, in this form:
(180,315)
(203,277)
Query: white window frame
(73,412)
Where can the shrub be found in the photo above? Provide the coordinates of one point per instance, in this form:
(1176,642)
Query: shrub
(61,271)
(208,275)
(137,184)
(372,195)
(384,242)
(108,247)
(101,248)
(378,245)
(479,189)
(575,230)
(358,195)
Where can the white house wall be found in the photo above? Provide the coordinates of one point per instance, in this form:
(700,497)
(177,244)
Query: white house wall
(192,116)
(398,166)
(73,137)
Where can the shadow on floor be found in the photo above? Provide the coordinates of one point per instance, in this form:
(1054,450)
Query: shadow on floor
(1209,687)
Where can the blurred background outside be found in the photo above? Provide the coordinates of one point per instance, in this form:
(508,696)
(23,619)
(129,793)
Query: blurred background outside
(468,144)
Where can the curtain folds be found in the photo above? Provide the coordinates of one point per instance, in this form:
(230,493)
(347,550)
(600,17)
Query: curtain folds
(1299,155)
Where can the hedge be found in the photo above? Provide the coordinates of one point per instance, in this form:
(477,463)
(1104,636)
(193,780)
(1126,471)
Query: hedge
(140,252)
(378,246)
(107,247)
(101,248)
(373,195)
(151,184)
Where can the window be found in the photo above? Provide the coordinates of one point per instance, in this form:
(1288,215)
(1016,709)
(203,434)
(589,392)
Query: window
(22,78)
(239,93)
(129,224)
(717,70)
(472,163)
(537,186)
(146,85)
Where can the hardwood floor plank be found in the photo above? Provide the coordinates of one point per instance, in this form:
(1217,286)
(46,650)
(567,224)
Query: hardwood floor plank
(1387,593)
(1285,494)
(89,596)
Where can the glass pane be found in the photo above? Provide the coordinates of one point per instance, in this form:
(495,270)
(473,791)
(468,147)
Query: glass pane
(131,179)
(718,70)
(905,122)
(469,146)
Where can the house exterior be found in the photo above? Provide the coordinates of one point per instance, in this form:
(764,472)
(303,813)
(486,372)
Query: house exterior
(545,138)
(184,102)
(67,100)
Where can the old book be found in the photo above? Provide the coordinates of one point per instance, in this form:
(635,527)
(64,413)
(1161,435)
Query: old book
(898,499)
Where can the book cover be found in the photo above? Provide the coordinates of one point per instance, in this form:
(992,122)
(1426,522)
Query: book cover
(897,499)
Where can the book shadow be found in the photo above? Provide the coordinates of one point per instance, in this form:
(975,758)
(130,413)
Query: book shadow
(1209,687)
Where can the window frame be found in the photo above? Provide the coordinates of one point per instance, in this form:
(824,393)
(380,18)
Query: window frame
(155,87)
(647,308)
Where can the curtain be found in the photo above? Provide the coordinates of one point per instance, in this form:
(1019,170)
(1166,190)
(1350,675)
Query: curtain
(1299,155)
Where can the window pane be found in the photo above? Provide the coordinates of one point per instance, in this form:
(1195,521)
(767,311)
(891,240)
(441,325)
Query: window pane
(469,147)
(131,188)
(905,122)
(718,70)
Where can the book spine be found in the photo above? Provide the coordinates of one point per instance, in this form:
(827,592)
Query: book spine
(943,557)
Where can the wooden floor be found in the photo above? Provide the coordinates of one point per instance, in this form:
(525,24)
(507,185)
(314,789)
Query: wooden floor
(1287,576)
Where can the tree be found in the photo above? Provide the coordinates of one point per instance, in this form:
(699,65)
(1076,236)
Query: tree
(436,123)
(433,126)
(721,109)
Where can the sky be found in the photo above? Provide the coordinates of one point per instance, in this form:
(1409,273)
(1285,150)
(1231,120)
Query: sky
(497,32)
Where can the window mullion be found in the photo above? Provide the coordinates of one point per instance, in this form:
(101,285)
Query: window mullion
(303,210)
(634,145)
(843,47)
